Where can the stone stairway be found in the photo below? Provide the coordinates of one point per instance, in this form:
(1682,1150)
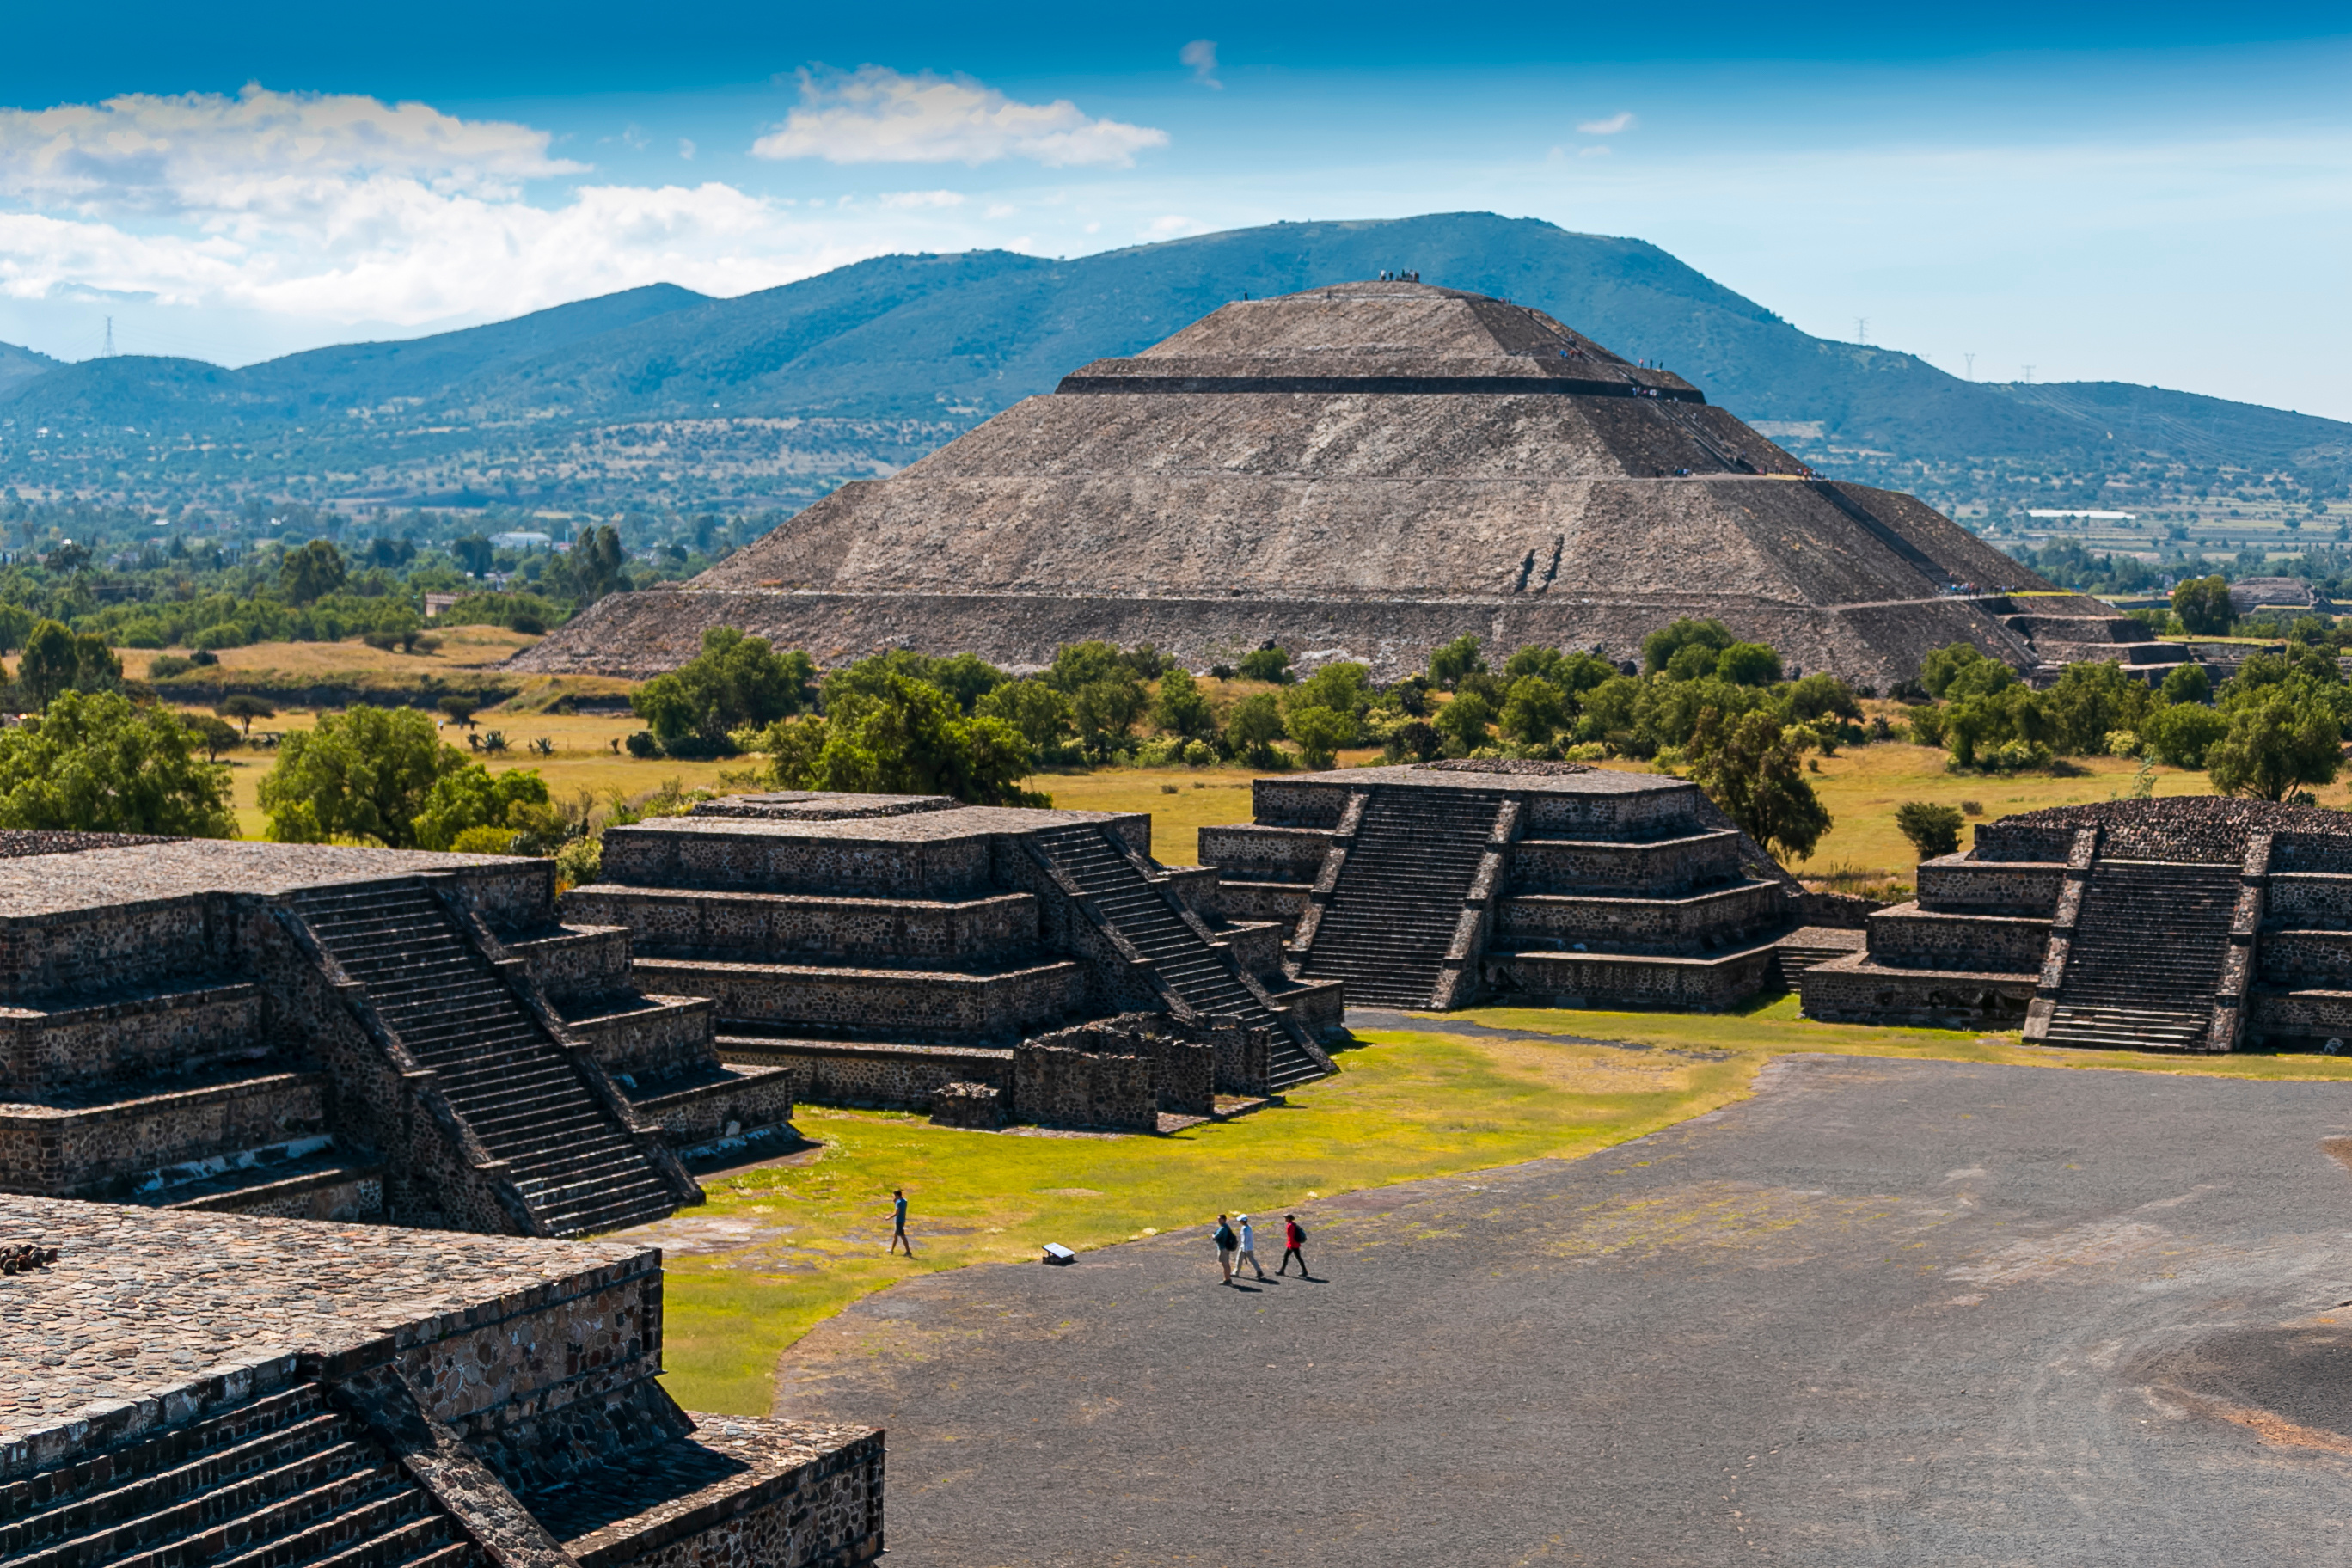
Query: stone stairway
(2146,955)
(1203,976)
(514,1085)
(1392,914)
(280,1482)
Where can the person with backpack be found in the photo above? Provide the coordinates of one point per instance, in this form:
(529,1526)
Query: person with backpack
(1227,1241)
(1294,1236)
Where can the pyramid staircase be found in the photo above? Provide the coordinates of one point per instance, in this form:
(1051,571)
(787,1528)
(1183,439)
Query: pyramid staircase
(1202,975)
(1394,911)
(577,1166)
(283,1481)
(2147,956)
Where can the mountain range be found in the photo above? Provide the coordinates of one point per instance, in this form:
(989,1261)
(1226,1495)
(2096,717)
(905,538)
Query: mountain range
(661,397)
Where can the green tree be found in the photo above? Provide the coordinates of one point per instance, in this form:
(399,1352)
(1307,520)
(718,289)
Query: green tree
(94,764)
(311,572)
(1181,709)
(592,567)
(50,663)
(2092,701)
(1266,664)
(1749,664)
(1043,716)
(1534,712)
(459,710)
(2188,683)
(1107,710)
(2182,734)
(1463,721)
(2274,746)
(1341,686)
(244,707)
(1932,830)
(1320,732)
(16,624)
(1658,649)
(735,683)
(2203,606)
(1819,696)
(1449,664)
(215,735)
(902,737)
(1082,664)
(1746,769)
(1253,727)
(364,773)
(1963,670)
(473,797)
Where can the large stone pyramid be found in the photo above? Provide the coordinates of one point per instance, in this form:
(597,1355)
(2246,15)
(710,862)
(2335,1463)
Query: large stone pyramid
(1373,469)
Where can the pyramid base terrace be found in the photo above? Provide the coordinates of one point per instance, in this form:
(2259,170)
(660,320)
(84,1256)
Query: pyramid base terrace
(1854,990)
(1713,983)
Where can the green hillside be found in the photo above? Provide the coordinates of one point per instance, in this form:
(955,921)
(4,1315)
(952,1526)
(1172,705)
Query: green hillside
(663,398)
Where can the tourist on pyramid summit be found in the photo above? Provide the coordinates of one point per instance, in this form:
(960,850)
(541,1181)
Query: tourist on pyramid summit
(1227,1241)
(1293,1239)
(1248,1254)
(898,1222)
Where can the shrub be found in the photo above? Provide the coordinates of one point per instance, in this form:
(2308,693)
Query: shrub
(94,764)
(1449,664)
(1199,753)
(1268,664)
(2183,734)
(580,862)
(162,667)
(2188,683)
(224,633)
(1253,727)
(1463,721)
(1658,649)
(483,841)
(1932,830)
(1320,732)
(1749,664)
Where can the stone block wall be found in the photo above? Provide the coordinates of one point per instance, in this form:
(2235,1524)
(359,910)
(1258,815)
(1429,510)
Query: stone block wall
(1248,852)
(88,1152)
(888,1078)
(1840,993)
(1182,1062)
(1063,1086)
(109,949)
(2319,899)
(165,1033)
(1964,886)
(709,1113)
(872,866)
(1658,868)
(655,1036)
(1648,815)
(760,925)
(578,961)
(1642,925)
(1908,937)
(2007,840)
(921,1003)
(1611,980)
(1256,946)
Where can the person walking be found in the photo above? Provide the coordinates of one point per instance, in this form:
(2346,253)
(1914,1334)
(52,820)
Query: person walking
(1248,1253)
(898,1222)
(1226,1242)
(1292,1238)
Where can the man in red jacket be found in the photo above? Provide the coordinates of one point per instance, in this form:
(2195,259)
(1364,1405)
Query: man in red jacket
(1293,1239)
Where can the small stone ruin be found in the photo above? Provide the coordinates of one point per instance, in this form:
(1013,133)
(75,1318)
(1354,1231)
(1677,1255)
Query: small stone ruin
(2191,924)
(1446,884)
(185,1387)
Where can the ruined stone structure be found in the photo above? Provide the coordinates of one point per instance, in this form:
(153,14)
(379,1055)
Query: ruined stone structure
(1444,884)
(906,950)
(190,1388)
(1369,471)
(336,1033)
(2193,923)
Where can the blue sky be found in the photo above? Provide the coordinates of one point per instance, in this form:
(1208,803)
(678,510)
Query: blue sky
(2157,195)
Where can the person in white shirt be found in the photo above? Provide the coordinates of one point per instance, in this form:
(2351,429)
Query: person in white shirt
(1248,1254)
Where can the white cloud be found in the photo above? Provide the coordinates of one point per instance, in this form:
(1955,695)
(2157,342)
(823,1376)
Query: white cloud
(1167,227)
(1200,55)
(686,147)
(1001,209)
(255,152)
(1622,120)
(1592,152)
(877,115)
(923,199)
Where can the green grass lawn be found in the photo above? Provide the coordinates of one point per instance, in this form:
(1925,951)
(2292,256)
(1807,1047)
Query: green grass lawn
(782,1247)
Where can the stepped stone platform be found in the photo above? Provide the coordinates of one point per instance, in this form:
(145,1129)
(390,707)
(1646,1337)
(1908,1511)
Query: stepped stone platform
(333,1032)
(1368,470)
(2192,923)
(189,1389)
(914,953)
(1440,885)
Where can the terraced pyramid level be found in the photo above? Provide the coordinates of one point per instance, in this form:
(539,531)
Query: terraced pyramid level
(2191,924)
(1374,468)
(349,1034)
(886,948)
(1439,886)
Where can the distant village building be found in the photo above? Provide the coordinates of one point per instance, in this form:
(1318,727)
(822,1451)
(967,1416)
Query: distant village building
(437,602)
(522,541)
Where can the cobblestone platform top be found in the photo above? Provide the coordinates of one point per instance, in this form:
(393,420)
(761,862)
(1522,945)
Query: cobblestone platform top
(822,805)
(44,884)
(917,828)
(140,1302)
